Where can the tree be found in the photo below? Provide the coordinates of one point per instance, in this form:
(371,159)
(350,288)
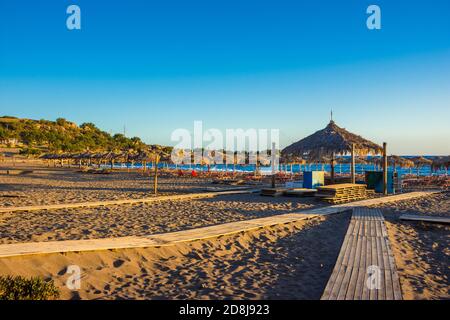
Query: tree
(61,121)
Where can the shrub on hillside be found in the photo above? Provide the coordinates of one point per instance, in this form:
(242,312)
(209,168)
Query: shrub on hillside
(21,288)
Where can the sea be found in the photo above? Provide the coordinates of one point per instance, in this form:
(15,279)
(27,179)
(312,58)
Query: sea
(344,168)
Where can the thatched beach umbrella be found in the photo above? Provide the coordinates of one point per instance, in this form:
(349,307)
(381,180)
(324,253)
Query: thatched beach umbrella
(291,160)
(143,157)
(156,154)
(111,157)
(346,160)
(421,162)
(331,141)
(441,162)
(358,160)
(400,161)
(48,157)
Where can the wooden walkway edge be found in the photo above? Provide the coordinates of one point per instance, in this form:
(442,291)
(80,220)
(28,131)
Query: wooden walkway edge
(431,219)
(369,202)
(31,248)
(365,268)
(124,201)
(157,240)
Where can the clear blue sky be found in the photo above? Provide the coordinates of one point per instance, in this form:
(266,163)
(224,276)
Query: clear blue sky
(155,66)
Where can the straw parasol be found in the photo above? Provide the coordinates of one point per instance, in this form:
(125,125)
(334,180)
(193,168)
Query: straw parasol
(400,161)
(441,162)
(292,159)
(358,160)
(421,161)
(155,154)
(331,141)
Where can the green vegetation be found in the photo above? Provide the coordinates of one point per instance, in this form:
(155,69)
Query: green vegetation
(38,136)
(20,288)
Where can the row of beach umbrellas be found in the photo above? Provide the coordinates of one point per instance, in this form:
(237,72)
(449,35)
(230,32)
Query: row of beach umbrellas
(140,156)
(109,156)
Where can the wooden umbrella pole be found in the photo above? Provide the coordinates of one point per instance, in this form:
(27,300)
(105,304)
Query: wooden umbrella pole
(385,169)
(155,178)
(332,168)
(352,165)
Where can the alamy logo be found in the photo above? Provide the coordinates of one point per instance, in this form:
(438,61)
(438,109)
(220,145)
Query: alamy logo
(74,280)
(73,21)
(234,146)
(373,281)
(374,20)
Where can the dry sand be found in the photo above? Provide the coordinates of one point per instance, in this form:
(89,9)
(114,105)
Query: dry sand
(121,220)
(285,262)
(55,185)
(291,261)
(140,219)
(421,250)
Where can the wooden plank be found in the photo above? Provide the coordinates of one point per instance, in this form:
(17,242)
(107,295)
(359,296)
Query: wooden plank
(124,201)
(351,291)
(431,219)
(378,232)
(394,275)
(341,270)
(366,244)
(373,293)
(360,281)
(389,292)
(349,270)
(327,210)
(382,290)
(339,263)
(365,292)
(337,208)
(373,228)
(397,293)
(156,240)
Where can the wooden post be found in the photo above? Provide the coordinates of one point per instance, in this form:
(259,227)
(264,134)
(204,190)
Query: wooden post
(155,178)
(395,177)
(385,169)
(332,168)
(352,164)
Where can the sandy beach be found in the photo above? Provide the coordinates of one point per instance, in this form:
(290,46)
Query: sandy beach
(285,262)
(48,185)
(292,261)
(121,220)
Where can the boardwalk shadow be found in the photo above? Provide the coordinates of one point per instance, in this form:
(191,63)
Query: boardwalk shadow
(310,256)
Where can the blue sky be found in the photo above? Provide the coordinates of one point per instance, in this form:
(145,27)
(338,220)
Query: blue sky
(155,66)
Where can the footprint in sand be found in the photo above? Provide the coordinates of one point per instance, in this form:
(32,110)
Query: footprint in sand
(118,263)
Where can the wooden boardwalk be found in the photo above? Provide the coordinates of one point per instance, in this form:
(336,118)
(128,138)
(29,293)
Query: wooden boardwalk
(369,202)
(201,195)
(30,248)
(125,201)
(157,240)
(431,219)
(365,268)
